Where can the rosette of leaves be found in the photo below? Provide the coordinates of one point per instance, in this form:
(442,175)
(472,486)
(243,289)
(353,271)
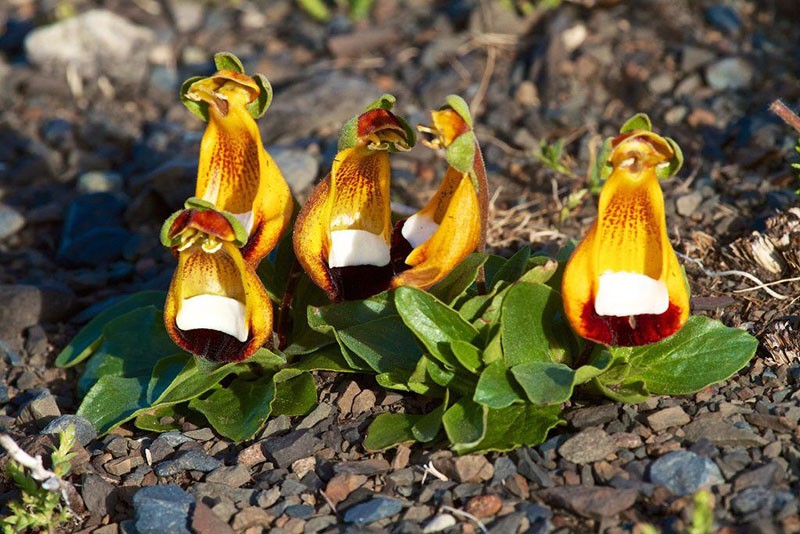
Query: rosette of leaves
(499,366)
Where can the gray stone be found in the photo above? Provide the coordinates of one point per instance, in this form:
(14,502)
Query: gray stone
(193,460)
(173,438)
(763,500)
(592,502)
(593,415)
(298,167)
(318,523)
(160,509)
(503,468)
(590,445)
(96,494)
(26,305)
(41,408)
(723,18)
(302,511)
(11,221)
(99,181)
(95,43)
(319,413)
(160,449)
(730,73)
(84,431)
(684,472)
(201,434)
(233,476)
(319,101)
(285,450)
(722,433)
(373,510)
(693,57)
(687,205)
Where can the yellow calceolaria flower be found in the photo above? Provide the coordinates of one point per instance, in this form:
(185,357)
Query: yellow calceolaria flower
(235,172)
(623,285)
(432,242)
(344,237)
(216,306)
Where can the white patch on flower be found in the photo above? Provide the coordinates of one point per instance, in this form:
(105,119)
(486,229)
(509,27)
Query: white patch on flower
(246,219)
(357,247)
(418,228)
(623,293)
(213,312)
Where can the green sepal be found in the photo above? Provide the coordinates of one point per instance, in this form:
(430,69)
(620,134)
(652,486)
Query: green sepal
(640,121)
(228,61)
(259,106)
(460,106)
(461,154)
(670,168)
(199,109)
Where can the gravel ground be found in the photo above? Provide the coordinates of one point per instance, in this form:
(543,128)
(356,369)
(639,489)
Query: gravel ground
(96,151)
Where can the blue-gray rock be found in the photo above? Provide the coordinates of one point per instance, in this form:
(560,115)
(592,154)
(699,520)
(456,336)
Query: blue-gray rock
(11,221)
(97,42)
(730,73)
(761,499)
(99,182)
(162,509)
(298,167)
(98,246)
(41,408)
(373,510)
(503,468)
(93,231)
(193,460)
(84,431)
(723,18)
(174,438)
(684,472)
(90,211)
(301,511)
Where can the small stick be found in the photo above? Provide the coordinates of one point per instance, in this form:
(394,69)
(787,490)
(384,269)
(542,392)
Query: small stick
(786,115)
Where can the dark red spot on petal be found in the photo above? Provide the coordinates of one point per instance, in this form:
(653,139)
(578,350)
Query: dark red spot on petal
(629,331)
(357,282)
(214,345)
(376,120)
(400,248)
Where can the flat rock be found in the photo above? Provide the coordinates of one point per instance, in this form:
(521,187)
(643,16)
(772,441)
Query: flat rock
(668,417)
(730,74)
(298,167)
(765,501)
(97,494)
(342,485)
(373,510)
(233,476)
(684,472)
(592,502)
(722,433)
(97,42)
(373,466)
(84,431)
(26,305)
(11,221)
(205,521)
(192,460)
(41,408)
(160,509)
(287,449)
(590,445)
(593,415)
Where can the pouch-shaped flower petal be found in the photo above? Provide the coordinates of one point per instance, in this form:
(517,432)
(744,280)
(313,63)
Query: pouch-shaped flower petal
(342,236)
(216,306)
(235,172)
(623,284)
(430,243)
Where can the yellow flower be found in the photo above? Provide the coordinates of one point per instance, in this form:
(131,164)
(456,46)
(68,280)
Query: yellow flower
(623,285)
(235,172)
(216,305)
(342,236)
(432,242)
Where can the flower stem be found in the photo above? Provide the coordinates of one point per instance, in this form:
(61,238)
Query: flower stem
(284,312)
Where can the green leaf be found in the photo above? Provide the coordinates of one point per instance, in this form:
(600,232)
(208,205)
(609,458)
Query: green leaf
(429,425)
(389,430)
(386,344)
(325,359)
(511,269)
(191,382)
(228,61)
(601,361)
(541,271)
(640,121)
(132,345)
(545,382)
(497,388)
(701,353)
(239,410)
(112,400)
(343,315)
(629,391)
(513,427)
(436,325)
(465,423)
(153,420)
(460,279)
(468,355)
(531,330)
(91,335)
(295,396)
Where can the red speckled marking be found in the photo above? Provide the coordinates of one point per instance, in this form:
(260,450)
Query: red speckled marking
(618,332)
(214,345)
